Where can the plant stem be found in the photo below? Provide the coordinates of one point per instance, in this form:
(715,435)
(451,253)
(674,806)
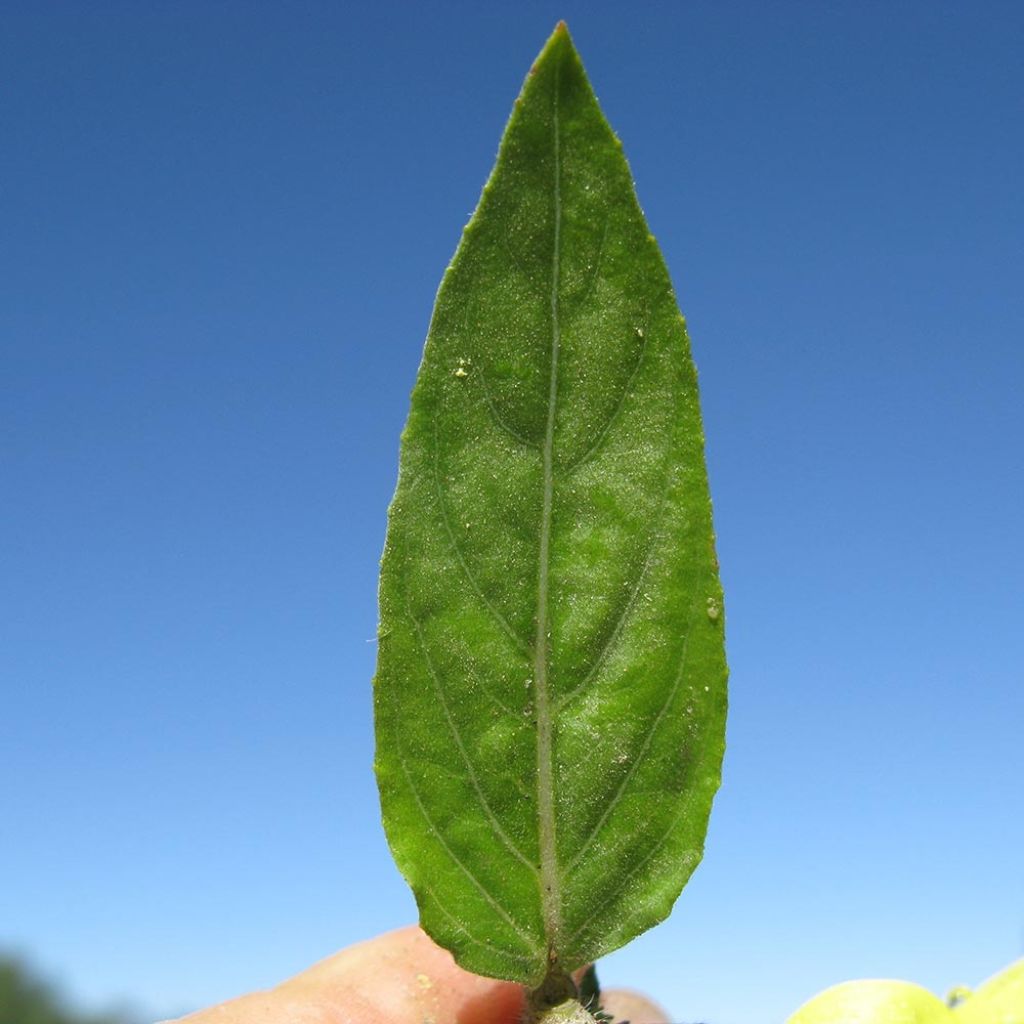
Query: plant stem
(569,1012)
(556,1002)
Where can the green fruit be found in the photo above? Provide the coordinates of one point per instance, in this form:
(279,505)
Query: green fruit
(875,1002)
(1000,1000)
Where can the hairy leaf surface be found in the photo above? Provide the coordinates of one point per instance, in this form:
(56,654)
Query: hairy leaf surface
(550,692)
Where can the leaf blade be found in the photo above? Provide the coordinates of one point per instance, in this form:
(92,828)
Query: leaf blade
(550,607)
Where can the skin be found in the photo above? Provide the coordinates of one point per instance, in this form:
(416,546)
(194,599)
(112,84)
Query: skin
(398,978)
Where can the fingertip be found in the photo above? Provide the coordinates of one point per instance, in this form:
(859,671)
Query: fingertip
(403,976)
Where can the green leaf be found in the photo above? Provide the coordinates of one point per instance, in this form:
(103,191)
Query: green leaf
(550,693)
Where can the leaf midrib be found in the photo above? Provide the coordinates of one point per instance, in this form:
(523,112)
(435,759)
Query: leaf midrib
(549,876)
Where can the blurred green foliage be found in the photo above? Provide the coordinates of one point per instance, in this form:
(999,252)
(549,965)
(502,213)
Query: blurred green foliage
(25,998)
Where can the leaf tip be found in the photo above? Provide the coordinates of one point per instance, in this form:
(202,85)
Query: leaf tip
(554,47)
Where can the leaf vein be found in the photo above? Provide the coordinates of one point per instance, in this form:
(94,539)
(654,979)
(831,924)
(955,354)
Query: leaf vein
(599,441)
(470,578)
(457,736)
(637,868)
(550,881)
(613,637)
(456,860)
(644,746)
(499,420)
(598,259)
(501,950)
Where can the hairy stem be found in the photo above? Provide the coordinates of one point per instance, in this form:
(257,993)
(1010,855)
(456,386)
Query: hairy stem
(557,1000)
(568,1012)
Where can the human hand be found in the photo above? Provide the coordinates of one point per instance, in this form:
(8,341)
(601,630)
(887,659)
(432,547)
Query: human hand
(398,978)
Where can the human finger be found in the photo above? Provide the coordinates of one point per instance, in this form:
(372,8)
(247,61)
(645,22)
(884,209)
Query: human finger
(398,978)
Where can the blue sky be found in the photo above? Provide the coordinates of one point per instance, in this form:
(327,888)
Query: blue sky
(223,227)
